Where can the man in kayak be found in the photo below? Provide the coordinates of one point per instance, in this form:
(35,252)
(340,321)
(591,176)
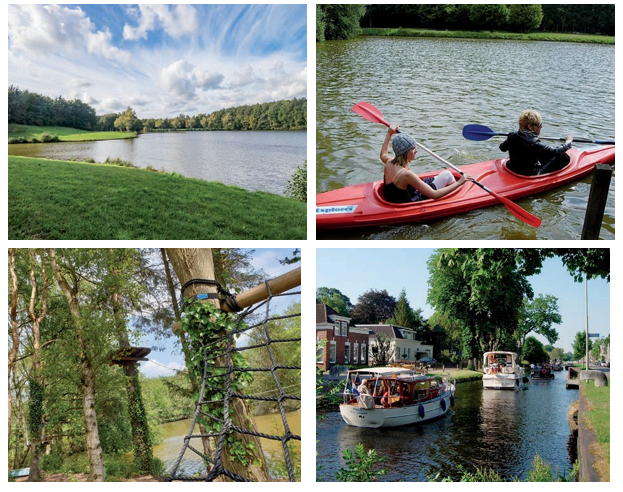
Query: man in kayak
(401,185)
(528,156)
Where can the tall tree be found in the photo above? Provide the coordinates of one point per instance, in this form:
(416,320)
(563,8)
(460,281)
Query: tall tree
(533,351)
(539,316)
(334,299)
(579,345)
(341,20)
(192,264)
(482,289)
(372,307)
(69,281)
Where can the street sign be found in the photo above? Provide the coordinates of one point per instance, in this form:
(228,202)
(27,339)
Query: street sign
(593,335)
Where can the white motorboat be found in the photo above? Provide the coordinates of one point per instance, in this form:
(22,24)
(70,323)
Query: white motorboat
(502,371)
(393,396)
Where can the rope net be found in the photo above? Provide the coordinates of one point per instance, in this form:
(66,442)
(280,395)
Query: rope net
(222,364)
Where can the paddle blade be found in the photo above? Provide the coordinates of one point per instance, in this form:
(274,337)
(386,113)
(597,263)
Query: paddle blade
(478,132)
(369,112)
(517,211)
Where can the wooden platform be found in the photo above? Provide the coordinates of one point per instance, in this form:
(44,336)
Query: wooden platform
(129,355)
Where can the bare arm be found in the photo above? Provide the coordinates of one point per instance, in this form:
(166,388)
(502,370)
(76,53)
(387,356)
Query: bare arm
(385,155)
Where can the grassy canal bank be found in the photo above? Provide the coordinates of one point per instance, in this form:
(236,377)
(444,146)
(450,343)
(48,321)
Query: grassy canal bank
(504,35)
(51,199)
(35,134)
(595,415)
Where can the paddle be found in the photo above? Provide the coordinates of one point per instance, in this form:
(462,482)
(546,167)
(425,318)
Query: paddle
(482,132)
(373,114)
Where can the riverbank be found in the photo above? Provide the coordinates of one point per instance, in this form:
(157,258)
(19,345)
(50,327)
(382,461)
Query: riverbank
(51,199)
(35,134)
(594,433)
(504,35)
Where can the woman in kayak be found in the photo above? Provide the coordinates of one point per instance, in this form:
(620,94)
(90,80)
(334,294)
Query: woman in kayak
(528,156)
(401,185)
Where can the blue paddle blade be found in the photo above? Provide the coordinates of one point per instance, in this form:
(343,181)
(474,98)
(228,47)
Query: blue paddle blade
(478,132)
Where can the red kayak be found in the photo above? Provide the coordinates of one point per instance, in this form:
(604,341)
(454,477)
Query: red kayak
(363,205)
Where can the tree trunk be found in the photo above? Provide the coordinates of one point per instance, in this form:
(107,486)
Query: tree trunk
(97,472)
(194,384)
(198,263)
(14,333)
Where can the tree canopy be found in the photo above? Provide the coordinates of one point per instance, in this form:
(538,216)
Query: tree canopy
(334,299)
(373,307)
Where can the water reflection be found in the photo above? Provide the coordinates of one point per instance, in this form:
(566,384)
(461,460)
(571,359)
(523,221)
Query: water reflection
(255,161)
(502,430)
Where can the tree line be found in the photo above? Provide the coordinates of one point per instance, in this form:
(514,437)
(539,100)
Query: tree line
(346,21)
(30,108)
(73,313)
(482,299)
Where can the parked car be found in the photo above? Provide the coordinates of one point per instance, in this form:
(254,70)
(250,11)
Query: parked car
(428,361)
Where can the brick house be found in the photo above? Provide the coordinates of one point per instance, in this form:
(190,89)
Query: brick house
(404,346)
(344,344)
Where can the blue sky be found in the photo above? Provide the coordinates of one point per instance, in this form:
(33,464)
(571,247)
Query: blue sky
(164,363)
(162,60)
(355,271)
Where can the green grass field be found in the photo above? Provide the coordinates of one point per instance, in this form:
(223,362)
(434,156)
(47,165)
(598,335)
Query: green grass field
(51,199)
(64,134)
(536,36)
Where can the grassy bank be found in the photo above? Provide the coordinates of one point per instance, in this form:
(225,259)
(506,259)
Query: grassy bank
(597,418)
(461,375)
(64,134)
(535,36)
(73,200)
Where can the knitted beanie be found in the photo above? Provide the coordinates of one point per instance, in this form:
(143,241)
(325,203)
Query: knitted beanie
(402,143)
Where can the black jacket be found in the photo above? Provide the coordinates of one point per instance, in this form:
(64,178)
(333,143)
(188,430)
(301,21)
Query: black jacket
(527,153)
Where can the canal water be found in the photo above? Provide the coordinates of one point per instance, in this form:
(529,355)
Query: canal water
(256,161)
(434,87)
(174,433)
(501,430)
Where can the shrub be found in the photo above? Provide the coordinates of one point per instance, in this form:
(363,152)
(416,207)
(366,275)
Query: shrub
(48,137)
(52,462)
(297,186)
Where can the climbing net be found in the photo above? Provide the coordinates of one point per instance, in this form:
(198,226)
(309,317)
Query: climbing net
(224,372)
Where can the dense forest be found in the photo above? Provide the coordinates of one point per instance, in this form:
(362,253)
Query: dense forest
(73,313)
(346,21)
(30,108)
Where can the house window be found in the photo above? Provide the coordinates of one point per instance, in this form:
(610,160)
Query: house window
(320,348)
(397,356)
(344,325)
(347,353)
(356,353)
(332,352)
(364,355)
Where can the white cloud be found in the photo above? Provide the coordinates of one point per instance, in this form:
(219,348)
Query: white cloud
(153,369)
(182,79)
(40,30)
(176,20)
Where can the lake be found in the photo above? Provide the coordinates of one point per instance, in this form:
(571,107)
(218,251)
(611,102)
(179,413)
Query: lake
(256,161)
(434,87)
(501,430)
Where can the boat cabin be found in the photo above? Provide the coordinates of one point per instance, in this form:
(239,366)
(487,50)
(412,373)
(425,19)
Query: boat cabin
(390,388)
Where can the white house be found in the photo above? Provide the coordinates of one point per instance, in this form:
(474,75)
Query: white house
(404,346)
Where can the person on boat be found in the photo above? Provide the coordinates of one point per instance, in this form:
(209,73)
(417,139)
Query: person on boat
(529,156)
(401,184)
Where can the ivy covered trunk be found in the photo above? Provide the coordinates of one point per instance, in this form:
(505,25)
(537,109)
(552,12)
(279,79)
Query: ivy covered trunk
(141,441)
(97,473)
(242,454)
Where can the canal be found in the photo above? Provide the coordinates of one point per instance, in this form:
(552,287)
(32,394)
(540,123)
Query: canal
(501,430)
(434,87)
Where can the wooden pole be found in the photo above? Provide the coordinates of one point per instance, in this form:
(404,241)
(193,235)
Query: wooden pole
(258,293)
(597,201)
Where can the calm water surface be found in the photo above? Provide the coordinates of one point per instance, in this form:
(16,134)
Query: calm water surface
(174,433)
(501,430)
(252,160)
(432,88)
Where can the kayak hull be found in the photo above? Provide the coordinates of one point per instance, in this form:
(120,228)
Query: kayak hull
(363,205)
